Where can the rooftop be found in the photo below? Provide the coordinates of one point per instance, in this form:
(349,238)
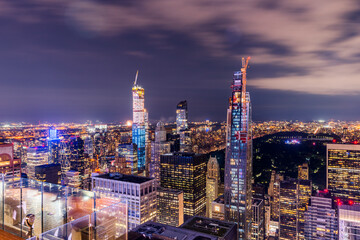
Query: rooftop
(209,226)
(124,178)
(220,199)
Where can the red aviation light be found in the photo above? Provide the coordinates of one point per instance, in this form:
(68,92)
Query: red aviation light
(351,202)
(326,190)
(339,203)
(334,140)
(355,142)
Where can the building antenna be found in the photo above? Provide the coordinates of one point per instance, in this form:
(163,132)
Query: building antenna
(136,77)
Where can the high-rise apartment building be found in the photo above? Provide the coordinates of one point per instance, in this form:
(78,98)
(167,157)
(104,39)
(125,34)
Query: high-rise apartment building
(212,183)
(139,124)
(129,152)
(139,192)
(343,166)
(36,156)
(321,218)
(274,198)
(182,127)
(186,172)
(303,171)
(238,163)
(294,199)
(258,219)
(158,147)
(170,207)
(349,222)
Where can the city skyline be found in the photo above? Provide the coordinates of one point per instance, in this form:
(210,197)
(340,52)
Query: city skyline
(64,61)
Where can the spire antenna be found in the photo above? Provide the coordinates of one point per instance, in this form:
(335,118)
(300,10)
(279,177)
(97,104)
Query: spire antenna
(136,77)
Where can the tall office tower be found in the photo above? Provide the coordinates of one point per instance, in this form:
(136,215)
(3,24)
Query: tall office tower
(138,126)
(274,194)
(181,117)
(170,207)
(147,144)
(343,165)
(186,172)
(258,219)
(212,183)
(294,199)
(8,164)
(158,147)
(50,173)
(349,222)
(182,127)
(320,218)
(72,179)
(303,171)
(129,152)
(139,192)
(77,159)
(36,156)
(54,146)
(89,146)
(238,163)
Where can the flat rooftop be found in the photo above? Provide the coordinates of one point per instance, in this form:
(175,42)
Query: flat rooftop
(124,178)
(209,226)
(220,199)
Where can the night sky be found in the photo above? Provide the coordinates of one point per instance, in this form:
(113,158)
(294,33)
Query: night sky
(74,60)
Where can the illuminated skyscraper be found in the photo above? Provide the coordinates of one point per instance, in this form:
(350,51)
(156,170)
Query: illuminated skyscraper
(212,183)
(294,199)
(36,156)
(158,147)
(321,218)
(181,116)
(170,207)
(238,164)
(139,123)
(186,172)
(349,222)
(182,127)
(343,166)
(129,152)
(303,171)
(54,146)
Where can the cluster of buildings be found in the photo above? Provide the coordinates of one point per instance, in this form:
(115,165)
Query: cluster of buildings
(175,191)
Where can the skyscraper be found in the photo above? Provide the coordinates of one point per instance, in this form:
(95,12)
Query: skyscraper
(212,183)
(349,222)
(258,219)
(139,123)
(186,172)
(303,171)
(294,199)
(129,152)
(36,156)
(320,218)
(170,207)
(182,127)
(343,165)
(158,147)
(238,164)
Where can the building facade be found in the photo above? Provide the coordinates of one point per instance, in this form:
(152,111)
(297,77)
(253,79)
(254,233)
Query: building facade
(294,199)
(36,156)
(139,192)
(212,183)
(303,171)
(158,147)
(186,172)
(50,173)
(9,164)
(321,218)
(349,222)
(170,207)
(129,152)
(139,124)
(343,166)
(238,163)
(182,127)
(258,219)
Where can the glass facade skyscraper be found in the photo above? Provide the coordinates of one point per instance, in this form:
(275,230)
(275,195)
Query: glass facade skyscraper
(238,165)
(343,166)
(139,123)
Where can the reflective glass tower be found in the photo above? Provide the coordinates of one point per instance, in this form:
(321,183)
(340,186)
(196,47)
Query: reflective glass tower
(138,127)
(238,165)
